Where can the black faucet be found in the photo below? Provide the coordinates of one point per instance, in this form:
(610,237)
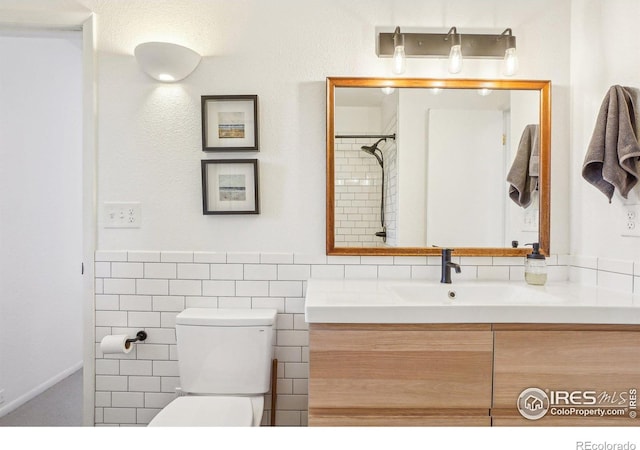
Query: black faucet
(447,265)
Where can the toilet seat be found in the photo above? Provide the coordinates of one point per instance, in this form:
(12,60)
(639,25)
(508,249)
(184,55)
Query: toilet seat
(206,411)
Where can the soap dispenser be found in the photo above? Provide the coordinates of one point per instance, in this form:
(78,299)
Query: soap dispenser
(535,267)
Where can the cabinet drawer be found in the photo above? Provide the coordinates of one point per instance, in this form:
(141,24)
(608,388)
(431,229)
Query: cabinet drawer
(557,362)
(400,369)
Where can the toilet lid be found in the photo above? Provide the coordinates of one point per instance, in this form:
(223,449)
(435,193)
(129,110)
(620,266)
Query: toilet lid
(205,411)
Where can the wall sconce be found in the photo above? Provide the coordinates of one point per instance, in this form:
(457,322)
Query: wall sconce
(453,45)
(166,62)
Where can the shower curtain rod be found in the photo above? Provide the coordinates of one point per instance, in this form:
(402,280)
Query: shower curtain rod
(366,136)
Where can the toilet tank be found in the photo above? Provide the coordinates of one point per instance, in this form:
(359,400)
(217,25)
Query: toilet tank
(225,351)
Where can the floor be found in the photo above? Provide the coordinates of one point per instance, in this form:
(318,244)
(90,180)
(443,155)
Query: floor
(58,406)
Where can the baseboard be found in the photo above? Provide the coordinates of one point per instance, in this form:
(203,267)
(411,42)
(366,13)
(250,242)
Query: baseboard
(17,403)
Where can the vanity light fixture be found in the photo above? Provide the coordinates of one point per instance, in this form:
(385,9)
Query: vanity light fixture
(166,62)
(452,44)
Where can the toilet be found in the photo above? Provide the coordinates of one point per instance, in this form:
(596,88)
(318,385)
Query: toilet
(224,360)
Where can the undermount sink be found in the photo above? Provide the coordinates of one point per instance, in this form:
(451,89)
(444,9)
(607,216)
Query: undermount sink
(471,293)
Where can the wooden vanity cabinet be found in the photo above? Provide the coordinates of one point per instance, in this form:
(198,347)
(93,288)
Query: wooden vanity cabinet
(400,375)
(565,358)
(468,374)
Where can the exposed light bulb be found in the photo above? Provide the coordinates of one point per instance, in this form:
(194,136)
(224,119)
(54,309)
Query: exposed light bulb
(399,57)
(484,92)
(166,77)
(510,62)
(399,60)
(387,90)
(455,59)
(455,54)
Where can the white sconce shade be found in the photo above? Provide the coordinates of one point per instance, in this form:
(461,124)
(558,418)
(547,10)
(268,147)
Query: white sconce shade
(166,62)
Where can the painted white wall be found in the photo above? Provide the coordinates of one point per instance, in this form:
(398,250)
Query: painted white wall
(412,168)
(358,120)
(604,52)
(463,168)
(149,133)
(41,204)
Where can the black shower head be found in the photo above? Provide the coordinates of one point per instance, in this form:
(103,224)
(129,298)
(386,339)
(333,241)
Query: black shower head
(372,150)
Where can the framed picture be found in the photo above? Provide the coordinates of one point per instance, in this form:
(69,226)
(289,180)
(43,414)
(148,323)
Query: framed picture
(229,123)
(230,186)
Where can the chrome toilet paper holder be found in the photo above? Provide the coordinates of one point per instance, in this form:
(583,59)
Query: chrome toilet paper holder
(140,336)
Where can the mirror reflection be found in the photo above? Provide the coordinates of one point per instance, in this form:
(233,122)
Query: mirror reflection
(426,167)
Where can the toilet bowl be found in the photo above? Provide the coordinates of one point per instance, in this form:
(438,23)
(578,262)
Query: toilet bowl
(224,360)
(211,411)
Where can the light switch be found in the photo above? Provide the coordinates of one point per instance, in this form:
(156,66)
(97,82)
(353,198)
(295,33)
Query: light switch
(122,215)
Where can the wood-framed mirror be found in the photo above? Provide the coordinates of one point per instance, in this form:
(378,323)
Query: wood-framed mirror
(417,164)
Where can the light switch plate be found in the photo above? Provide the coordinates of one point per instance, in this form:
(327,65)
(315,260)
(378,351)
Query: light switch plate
(122,215)
(530,219)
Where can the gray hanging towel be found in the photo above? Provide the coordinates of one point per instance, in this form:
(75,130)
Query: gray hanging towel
(612,160)
(524,172)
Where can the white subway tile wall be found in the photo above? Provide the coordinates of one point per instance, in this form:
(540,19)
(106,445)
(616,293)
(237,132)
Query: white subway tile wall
(608,273)
(146,290)
(358,188)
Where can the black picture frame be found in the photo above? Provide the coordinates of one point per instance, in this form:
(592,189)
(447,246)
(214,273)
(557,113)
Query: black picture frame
(230,186)
(229,123)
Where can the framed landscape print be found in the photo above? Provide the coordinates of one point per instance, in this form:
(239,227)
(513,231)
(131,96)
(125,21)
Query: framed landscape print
(230,186)
(229,123)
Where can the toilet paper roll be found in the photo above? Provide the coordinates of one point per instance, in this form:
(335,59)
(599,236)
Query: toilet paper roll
(115,343)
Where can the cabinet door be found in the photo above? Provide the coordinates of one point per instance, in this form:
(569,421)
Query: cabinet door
(582,377)
(399,376)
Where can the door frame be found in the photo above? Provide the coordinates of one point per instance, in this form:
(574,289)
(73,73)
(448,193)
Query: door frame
(89,214)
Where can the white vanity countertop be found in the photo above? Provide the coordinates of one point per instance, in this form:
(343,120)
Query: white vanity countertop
(409,301)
